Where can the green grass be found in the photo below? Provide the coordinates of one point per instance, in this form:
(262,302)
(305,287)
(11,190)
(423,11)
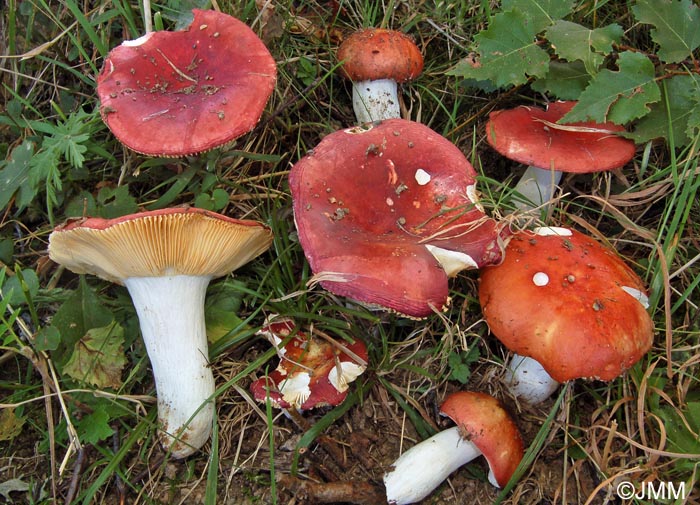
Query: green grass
(61,438)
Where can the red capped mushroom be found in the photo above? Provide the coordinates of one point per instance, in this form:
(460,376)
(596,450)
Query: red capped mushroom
(569,303)
(532,136)
(386,212)
(313,372)
(483,428)
(166,259)
(184,92)
(376,60)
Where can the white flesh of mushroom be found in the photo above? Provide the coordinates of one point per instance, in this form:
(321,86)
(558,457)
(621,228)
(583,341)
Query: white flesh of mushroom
(452,262)
(422,468)
(171,316)
(375,100)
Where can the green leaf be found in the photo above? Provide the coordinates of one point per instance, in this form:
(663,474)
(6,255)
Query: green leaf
(14,177)
(10,424)
(80,312)
(565,80)
(95,427)
(572,42)
(14,288)
(675,24)
(508,51)
(618,96)
(540,13)
(98,357)
(223,303)
(673,114)
(115,202)
(47,338)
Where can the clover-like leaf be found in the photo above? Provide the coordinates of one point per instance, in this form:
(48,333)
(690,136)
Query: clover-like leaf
(98,357)
(618,96)
(675,26)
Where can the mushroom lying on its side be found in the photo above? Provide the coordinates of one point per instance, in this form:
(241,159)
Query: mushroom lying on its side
(483,428)
(166,258)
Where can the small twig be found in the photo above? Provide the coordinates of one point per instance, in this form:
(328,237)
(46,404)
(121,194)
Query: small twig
(359,493)
(75,476)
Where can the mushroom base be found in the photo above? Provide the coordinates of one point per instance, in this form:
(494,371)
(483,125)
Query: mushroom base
(171,316)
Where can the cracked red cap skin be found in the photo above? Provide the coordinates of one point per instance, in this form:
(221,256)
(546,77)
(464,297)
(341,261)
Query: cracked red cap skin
(189,91)
(304,354)
(576,320)
(484,422)
(367,201)
(524,135)
(376,53)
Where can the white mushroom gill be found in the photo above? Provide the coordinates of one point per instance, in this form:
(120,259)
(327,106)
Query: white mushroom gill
(349,371)
(171,316)
(452,262)
(544,231)
(295,389)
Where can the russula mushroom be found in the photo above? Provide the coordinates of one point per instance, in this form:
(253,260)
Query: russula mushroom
(483,428)
(313,372)
(532,136)
(166,258)
(376,60)
(387,211)
(569,303)
(184,92)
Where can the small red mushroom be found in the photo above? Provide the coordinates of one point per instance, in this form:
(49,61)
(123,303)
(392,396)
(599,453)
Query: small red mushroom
(376,60)
(184,92)
(483,428)
(313,372)
(387,211)
(532,136)
(569,303)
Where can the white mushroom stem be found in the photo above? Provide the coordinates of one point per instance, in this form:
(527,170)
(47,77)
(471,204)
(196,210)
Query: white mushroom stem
(536,187)
(529,381)
(375,100)
(171,315)
(422,468)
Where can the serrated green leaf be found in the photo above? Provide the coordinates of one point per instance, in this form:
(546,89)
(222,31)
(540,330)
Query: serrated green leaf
(115,202)
(673,114)
(675,24)
(10,424)
(540,13)
(94,427)
(14,177)
(572,42)
(618,96)
(565,80)
(509,54)
(98,357)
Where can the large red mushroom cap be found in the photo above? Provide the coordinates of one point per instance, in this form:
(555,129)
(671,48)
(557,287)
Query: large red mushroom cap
(485,423)
(313,372)
(532,136)
(569,302)
(386,211)
(184,92)
(376,53)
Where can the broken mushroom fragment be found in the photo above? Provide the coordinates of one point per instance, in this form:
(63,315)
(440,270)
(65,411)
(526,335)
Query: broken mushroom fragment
(184,92)
(532,136)
(387,211)
(376,60)
(568,302)
(313,371)
(166,258)
(483,428)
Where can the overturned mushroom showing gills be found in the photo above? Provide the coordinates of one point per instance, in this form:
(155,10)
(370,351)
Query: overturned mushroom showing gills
(376,60)
(166,259)
(184,92)
(386,212)
(568,302)
(531,135)
(483,428)
(313,372)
